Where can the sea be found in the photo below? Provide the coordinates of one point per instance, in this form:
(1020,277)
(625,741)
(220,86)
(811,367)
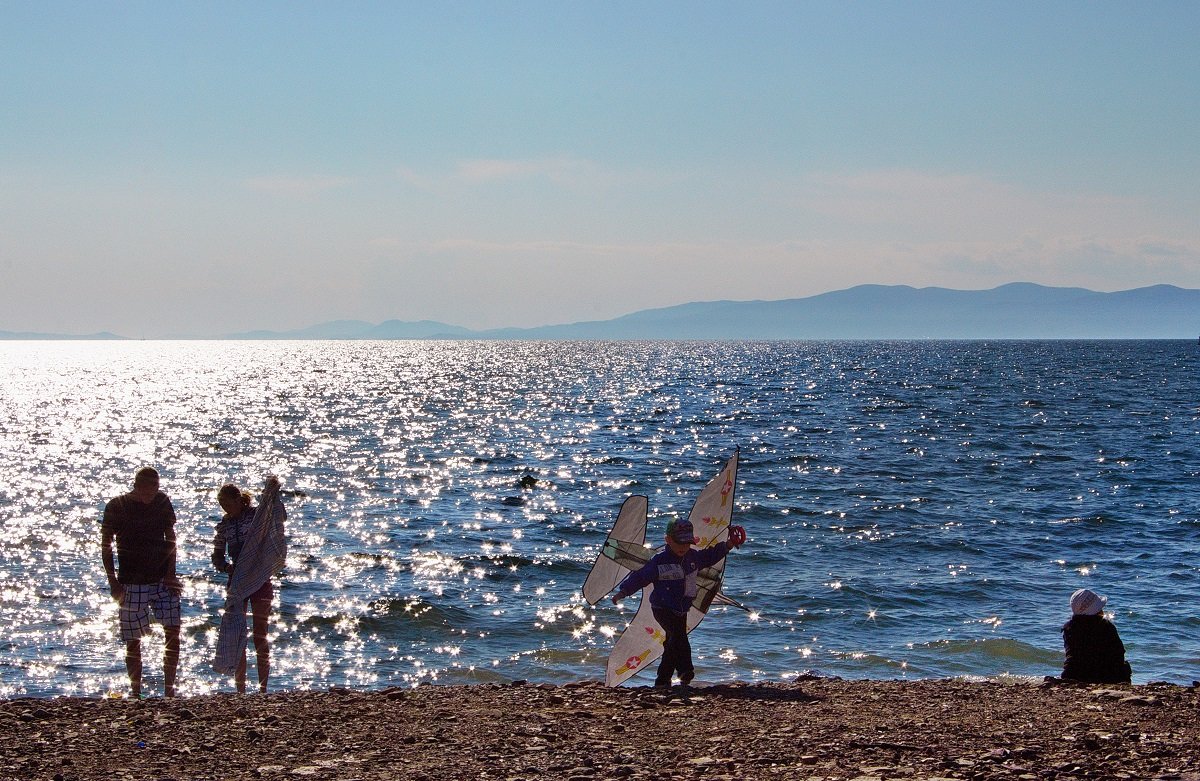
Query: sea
(915,510)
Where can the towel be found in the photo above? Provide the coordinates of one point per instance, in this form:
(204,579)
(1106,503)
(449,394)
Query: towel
(263,554)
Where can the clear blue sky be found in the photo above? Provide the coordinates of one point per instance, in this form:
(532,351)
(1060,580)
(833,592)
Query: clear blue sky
(210,167)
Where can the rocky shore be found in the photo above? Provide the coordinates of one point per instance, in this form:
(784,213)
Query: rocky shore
(812,729)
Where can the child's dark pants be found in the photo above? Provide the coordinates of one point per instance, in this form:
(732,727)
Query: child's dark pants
(677,651)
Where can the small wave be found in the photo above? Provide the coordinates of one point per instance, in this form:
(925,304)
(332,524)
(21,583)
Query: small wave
(868,663)
(566,656)
(389,615)
(503,560)
(566,566)
(1098,519)
(976,653)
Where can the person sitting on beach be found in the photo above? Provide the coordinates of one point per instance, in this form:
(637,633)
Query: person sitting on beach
(1094,652)
(230,535)
(673,573)
(145,587)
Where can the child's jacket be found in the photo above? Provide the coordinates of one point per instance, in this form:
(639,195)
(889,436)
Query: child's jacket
(674,578)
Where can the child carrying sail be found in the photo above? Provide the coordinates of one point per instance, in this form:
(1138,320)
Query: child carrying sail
(674,575)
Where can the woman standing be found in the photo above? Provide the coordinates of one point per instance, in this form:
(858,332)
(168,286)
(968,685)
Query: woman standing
(232,533)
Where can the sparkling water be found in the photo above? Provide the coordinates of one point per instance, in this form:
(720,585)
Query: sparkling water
(915,509)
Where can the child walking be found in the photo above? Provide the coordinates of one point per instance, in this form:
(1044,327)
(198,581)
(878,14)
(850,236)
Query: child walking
(673,573)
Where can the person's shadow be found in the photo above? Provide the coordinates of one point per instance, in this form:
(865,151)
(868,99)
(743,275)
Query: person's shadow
(754,692)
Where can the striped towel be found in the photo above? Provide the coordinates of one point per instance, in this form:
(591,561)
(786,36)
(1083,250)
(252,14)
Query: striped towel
(263,554)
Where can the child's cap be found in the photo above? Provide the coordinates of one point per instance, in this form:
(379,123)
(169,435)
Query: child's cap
(681,531)
(1086,602)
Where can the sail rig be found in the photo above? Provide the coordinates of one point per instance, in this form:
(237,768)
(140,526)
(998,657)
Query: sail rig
(625,550)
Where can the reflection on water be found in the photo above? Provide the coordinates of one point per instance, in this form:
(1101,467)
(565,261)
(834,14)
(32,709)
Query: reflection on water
(915,509)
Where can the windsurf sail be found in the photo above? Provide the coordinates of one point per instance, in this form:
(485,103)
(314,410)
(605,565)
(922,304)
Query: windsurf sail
(624,551)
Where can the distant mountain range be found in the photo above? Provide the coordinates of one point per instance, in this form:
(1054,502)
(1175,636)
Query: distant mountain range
(1016,311)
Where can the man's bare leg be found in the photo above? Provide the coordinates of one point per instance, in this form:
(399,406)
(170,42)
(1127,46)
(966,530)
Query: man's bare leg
(133,665)
(170,661)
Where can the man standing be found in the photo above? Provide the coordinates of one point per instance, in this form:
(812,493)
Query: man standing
(146,587)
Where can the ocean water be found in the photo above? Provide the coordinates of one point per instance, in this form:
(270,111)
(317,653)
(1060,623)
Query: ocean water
(915,509)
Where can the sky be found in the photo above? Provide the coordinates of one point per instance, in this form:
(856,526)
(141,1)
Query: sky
(205,168)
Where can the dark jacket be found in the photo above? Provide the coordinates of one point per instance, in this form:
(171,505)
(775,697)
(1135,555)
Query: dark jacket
(1094,651)
(674,578)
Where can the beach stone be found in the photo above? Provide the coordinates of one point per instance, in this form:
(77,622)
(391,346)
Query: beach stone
(1136,700)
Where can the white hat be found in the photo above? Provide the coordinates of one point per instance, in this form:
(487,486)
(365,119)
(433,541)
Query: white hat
(1086,602)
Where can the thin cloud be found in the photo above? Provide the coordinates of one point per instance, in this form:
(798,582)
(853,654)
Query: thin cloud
(958,205)
(1167,249)
(468,247)
(296,186)
(563,171)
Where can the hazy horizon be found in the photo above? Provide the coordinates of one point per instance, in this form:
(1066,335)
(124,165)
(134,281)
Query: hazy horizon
(1017,310)
(221,168)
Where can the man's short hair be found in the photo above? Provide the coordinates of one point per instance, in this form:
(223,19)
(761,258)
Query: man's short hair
(146,474)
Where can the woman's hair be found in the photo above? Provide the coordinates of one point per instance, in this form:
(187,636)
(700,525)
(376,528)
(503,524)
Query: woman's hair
(229,490)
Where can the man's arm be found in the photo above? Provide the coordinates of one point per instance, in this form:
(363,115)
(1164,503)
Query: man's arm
(106,555)
(171,581)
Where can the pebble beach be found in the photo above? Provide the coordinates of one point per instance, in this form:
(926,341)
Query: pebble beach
(818,729)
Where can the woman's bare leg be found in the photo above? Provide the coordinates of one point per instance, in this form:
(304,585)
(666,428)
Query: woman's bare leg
(262,646)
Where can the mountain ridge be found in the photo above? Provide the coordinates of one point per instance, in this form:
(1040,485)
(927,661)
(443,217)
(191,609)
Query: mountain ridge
(1016,310)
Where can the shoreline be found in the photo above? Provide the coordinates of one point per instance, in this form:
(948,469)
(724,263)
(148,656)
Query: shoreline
(822,728)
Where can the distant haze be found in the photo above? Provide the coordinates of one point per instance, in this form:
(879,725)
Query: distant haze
(1015,311)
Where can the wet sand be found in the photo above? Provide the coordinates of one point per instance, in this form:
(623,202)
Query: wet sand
(811,729)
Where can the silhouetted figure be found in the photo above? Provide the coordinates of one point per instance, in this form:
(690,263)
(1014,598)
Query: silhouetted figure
(673,573)
(243,527)
(142,523)
(1094,651)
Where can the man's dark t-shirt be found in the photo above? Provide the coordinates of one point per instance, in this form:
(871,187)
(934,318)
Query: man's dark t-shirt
(145,537)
